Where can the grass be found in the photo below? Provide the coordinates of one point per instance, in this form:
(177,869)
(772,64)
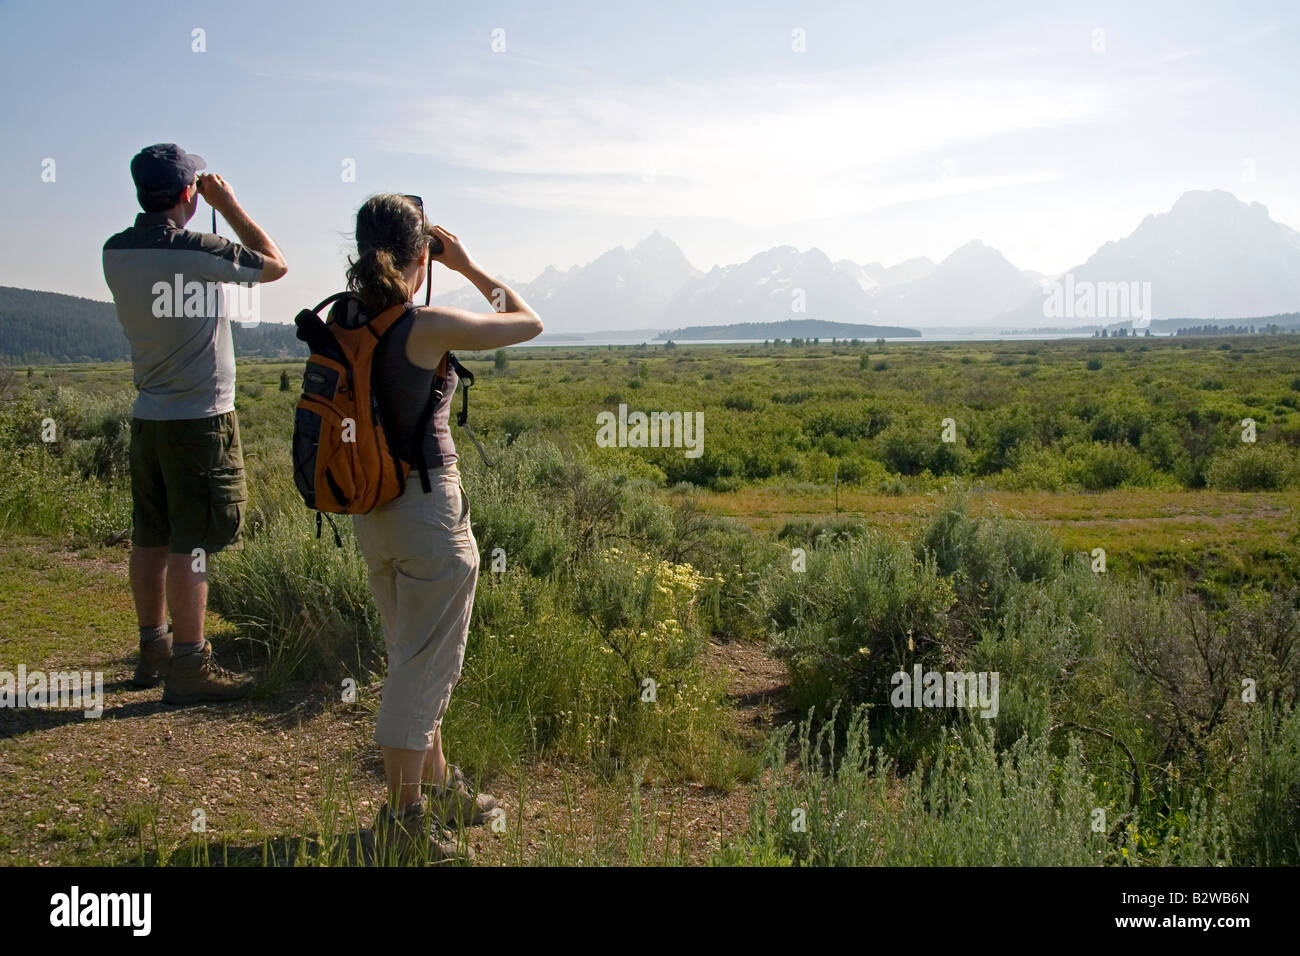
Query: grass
(92,605)
(976,805)
(595,694)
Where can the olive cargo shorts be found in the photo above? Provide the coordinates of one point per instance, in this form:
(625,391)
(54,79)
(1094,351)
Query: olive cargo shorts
(423,563)
(187,484)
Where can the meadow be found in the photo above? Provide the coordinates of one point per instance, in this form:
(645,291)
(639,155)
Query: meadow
(681,659)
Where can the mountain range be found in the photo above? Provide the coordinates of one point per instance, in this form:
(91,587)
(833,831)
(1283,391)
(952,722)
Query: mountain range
(1209,256)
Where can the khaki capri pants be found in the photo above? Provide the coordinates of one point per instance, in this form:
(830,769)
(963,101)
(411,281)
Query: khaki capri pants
(423,563)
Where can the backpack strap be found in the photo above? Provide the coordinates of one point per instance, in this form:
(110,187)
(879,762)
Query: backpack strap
(329,300)
(462,418)
(338,541)
(422,423)
(386,321)
(466,382)
(312,330)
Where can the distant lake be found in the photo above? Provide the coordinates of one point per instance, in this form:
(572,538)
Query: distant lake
(596,339)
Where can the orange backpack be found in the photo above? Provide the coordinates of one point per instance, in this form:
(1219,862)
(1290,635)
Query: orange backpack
(343,459)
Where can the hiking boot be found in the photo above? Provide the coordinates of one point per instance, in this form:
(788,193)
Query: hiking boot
(195,678)
(455,801)
(155,657)
(414,837)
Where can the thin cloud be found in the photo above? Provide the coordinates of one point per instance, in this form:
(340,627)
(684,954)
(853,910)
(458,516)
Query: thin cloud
(528,59)
(748,151)
(349,79)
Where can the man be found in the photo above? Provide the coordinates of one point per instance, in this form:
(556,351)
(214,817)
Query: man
(187,469)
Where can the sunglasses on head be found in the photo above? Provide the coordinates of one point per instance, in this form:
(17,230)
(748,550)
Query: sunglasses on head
(435,244)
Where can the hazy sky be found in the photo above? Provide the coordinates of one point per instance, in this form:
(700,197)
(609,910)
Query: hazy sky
(900,130)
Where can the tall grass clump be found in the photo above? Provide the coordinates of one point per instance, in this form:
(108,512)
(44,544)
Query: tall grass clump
(973,806)
(305,602)
(1264,797)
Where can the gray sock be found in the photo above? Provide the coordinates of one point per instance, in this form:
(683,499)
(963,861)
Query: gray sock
(150,634)
(181,650)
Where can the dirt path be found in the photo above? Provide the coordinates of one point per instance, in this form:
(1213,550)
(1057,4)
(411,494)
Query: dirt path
(130,786)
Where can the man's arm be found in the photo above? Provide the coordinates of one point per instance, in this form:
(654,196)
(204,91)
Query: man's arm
(221,197)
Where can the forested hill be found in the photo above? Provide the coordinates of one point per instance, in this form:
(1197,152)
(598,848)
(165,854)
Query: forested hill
(43,327)
(39,328)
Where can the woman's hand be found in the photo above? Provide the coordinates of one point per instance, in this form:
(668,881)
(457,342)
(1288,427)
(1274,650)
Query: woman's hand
(454,255)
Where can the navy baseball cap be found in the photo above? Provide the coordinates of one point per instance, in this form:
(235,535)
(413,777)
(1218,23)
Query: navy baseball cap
(165,166)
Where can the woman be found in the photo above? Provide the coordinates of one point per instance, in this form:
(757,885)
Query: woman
(420,551)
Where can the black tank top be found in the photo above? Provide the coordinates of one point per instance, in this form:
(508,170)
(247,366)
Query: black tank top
(402,390)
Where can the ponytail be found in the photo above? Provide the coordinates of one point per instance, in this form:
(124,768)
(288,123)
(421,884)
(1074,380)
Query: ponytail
(389,239)
(376,280)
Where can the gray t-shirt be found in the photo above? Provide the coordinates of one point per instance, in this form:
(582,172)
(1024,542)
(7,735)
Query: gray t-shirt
(166,286)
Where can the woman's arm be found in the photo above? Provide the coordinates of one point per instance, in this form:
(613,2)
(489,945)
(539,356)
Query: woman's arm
(439,330)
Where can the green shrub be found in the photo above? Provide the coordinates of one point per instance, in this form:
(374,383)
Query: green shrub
(76,485)
(1097,467)
(39,496)
(863,610)
(985,556)
(1190,655)
(908,448)
(517,520)
(1268,466)
(1056,664)
(1033,467)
